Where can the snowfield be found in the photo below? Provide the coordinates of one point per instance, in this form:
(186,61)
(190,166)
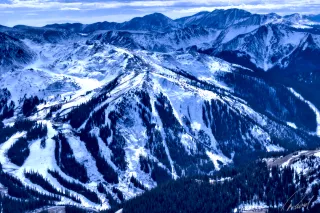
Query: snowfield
(159,104)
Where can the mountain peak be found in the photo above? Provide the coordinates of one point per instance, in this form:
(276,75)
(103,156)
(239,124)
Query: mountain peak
(109,110)
(273,15)
(233,10)
(151,22)
(14,52)
(156,15)
(295,17)
(217,18)
(74,27)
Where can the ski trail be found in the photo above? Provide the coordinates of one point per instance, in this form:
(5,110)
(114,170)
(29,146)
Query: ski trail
(312,106)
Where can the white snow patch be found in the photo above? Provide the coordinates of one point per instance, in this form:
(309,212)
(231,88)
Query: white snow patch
(274,148)
(212,181)
(41,159)
(80,152)
(288,161)
(301,26)
(7,165)
(293,125)
(252,207)
(188,143)
(317,154)
(218,158)
(119,211)
(196,126)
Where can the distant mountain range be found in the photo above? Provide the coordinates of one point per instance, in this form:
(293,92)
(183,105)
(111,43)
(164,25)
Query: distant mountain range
(218,19)
(107,110)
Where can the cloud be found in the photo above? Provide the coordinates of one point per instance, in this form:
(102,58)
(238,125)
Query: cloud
(99,4)
(31,14)
(70,8)
(8,11)
(96,10)
(45,4)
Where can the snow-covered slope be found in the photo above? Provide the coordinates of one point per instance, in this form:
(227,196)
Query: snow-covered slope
(267,45)
(305,162)
(14,53)
(120,111)
(219,19)
(160,42)
(151,116)
(153,22)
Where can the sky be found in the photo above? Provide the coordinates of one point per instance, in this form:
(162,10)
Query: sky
(42,12)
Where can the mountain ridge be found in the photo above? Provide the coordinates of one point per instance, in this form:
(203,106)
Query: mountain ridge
(197,19)
(98,114)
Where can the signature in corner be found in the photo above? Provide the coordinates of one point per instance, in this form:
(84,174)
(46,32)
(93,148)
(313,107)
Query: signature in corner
(299,205)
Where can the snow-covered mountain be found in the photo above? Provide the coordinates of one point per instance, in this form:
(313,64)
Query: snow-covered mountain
(14,53)
(219,19)
(126,106)
(153,22)
(160,42)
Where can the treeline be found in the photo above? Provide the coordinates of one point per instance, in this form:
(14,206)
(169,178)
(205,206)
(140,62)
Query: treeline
(277,101)
(118,193)
(38,131)
(9,205)
(19,125)
(20,151)
(111,201)
(104,168)
(29,105)
(18,190)
(158,174)
(76,187)
(185,163)
(53,109)
(66,160)
(20,198)
(74,209)
(247,185)
(118,142)
(39,180)
(154,143)
(82,112)
(137,183)
(85,112)
(6,107)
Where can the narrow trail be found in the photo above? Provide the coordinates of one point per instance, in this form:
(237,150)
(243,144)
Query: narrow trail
(289,159)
